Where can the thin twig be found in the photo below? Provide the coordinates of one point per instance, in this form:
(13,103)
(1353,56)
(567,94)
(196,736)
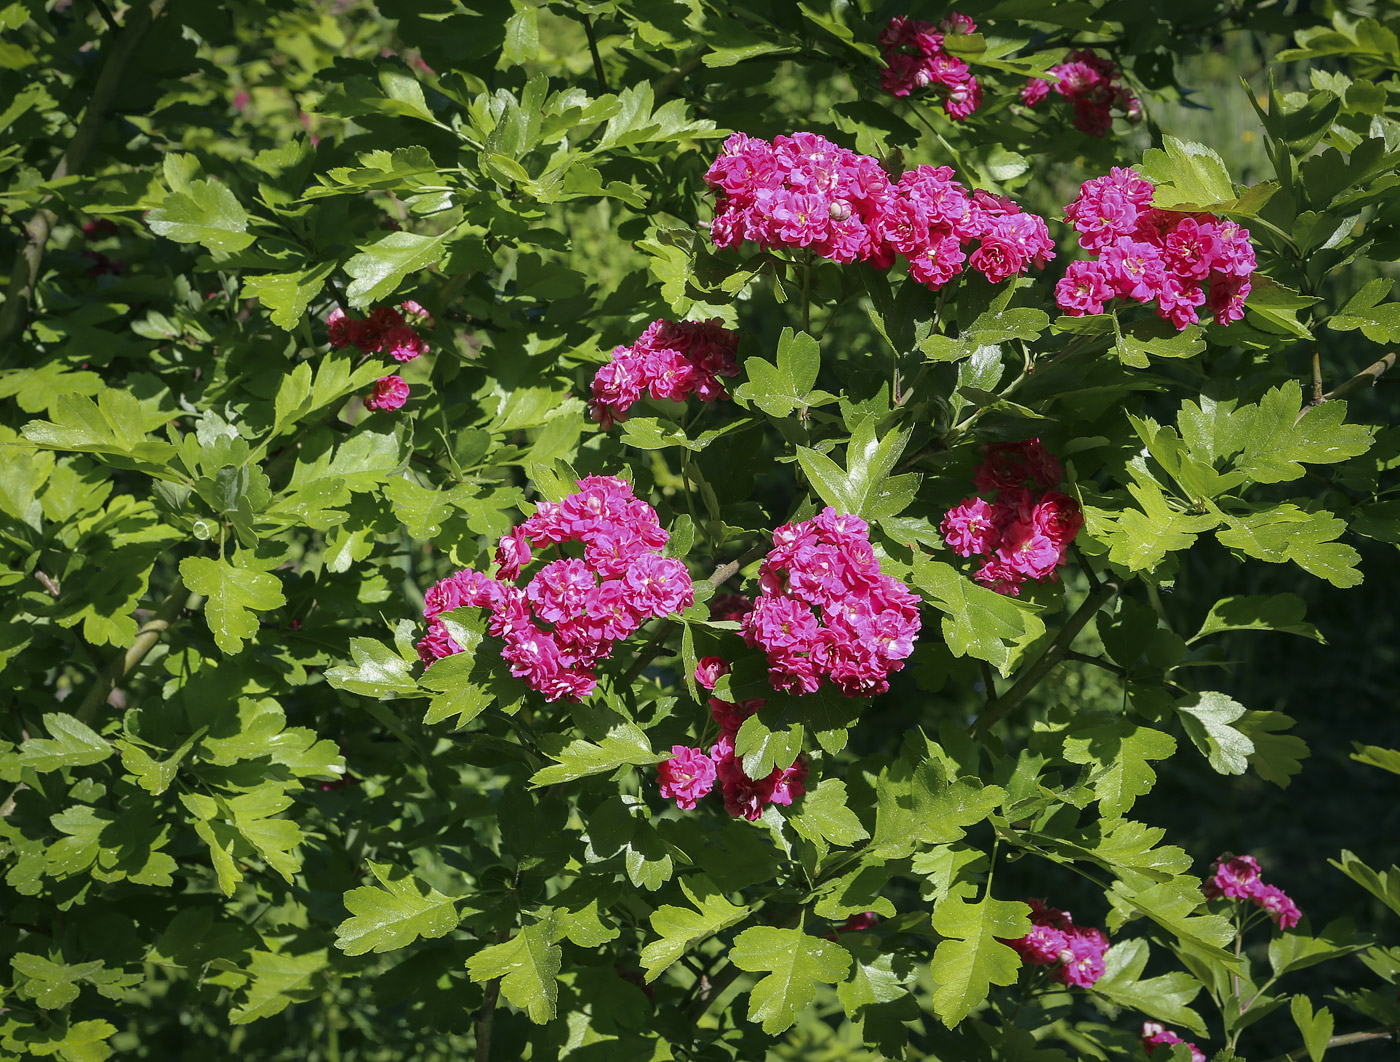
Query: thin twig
(146,639)
(1053,654)
(24,274)
(1097,661)
(597,59)
(1371,374)
(1317,398)
(1386,1033)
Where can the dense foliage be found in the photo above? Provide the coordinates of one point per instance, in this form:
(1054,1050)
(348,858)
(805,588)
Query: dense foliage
(680,530)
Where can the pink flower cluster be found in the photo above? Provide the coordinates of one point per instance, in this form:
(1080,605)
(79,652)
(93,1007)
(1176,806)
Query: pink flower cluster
(671,360)
(803,191)
(864,625)
(1054,940)
(1154,1033)
(573,611)
(690,774)
(915,58)
(385,331)
(1182,261)
(389,393)
(1090,82)
(1237,878)
(1023,534)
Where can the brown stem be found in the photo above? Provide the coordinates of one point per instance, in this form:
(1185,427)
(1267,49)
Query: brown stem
(24,275)
(146,639)
(1053,654)
(1371,374)
(1317,378)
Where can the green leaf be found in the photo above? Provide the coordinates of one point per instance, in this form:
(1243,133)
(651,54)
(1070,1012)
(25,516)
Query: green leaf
(1277,756)
(977,622)
(1316,1028)
(52,985)
(206,213)
(1277,441)
(71,743)
(762,749)
(1190,176)
(824,815)
(1383,885)
(625,743)
(1142,538)
(1286,533)
(1276,612)
(795,962)
(380,267)
(286,296)
(1375,756)
(1119,753)
(681,928)
(1206,718)
(276,840)
(865,488)
(1379,321)
(778,390)
(152,775)
(276,982)
(1164,998)
(231,596)
(522,36)
(392,917)
(378,671)
(972,958)
(527,965)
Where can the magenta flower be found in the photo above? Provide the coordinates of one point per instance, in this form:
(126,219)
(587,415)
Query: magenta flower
(687,776)
(389,393)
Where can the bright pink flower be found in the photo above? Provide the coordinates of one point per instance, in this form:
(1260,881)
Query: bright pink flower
(745,797)
(710,670)
(687,776)
(1035,91)
(1280,908)
(389,393)
(669,360)
(1081,961)
(857,922)
(416,314)
(402,343)
(1154,1033)
(1180,261)
(971,528)
(1233,877)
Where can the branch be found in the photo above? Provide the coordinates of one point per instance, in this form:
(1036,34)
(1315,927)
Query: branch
(597,59)
(146,639)
(24,275)
(106,13)
(1054,653)
(1386,1033)
(1371,374)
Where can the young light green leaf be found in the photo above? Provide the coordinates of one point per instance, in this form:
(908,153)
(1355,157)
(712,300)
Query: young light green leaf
(380,266)
(1383,885)
(527,965)
(977,622)
(384,919)
(1286,532)
(1119,752)
(680,928)
(624,743)
(71,743)
(231,596)
(1207,718)
(208,214)
(824,816)
(378,671)
(287,295)
(795,963)
(1316,1028)
(1164,998)
(972,956)
(778,390)
(865,488)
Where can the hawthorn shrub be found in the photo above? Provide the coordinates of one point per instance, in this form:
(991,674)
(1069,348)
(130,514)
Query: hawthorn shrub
(677,530)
